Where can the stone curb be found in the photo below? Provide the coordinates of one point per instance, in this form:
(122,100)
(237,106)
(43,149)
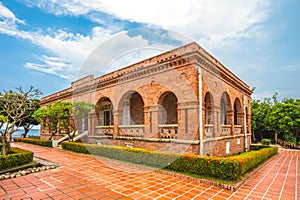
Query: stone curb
(45,165)
(25,172)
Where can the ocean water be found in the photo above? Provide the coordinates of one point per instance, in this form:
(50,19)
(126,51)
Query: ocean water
(31,133)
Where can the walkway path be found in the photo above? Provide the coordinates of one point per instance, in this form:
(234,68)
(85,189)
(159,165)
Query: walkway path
(86,177)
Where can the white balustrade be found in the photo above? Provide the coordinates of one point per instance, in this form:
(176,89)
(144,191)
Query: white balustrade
(131,130)
(104,130)
(168,131)
(209,130)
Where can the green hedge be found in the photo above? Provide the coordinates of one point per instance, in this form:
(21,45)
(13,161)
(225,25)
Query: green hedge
(226,168)
(46,143)
(258,146)
(265,142)
(16,157)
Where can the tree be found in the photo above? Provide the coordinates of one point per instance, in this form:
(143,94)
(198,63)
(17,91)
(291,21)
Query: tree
(15,107)
(285,116)
(55,117)
(63,117)
(80,112)
(259,114)
(30,121)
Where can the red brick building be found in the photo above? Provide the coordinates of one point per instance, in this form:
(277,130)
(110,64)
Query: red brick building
(183,100)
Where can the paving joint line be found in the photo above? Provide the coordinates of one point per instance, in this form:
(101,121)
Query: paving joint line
(216,194)
(260,180)
(268,188)
(286,175)
(203,191)
(253,177)
(171,190)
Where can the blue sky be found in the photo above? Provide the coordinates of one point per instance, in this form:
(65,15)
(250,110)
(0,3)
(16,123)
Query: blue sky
(46,43)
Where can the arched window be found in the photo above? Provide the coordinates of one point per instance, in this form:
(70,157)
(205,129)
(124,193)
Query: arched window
(223,112)
(225,108)
(169,101)
(105,112)
(208,105)
(132,107)
(238,117)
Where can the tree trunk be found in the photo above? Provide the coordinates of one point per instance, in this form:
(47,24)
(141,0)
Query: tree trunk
(26,130)
(253,136)
(6,145)
(275,137)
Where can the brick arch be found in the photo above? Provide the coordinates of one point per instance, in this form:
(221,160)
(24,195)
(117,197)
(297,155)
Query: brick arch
(169,105)
(225,109)
(131,107)
(237,111)
(208,108)
(151,93)
(104,111)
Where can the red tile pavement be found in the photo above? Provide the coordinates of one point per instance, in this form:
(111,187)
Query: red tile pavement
(87,177)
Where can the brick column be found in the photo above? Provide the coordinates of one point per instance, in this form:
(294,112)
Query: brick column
(154,114)
(216,122)
(188,120)
(91,122)
(117,120)
(230,115)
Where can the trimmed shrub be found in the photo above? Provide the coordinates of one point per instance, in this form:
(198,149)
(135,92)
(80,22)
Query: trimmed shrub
(226,168)
(252,159)
(266,142)
(258,146)
(16,157)
(46,143)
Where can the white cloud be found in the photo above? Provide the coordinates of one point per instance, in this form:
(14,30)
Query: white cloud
(212,23)
(8,16)
(123,50)
(53,65)
(209,22)
(70,49)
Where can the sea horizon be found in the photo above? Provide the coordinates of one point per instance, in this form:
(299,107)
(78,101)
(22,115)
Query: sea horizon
(32,133)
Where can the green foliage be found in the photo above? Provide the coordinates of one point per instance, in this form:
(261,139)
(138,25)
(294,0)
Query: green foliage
(227,168)
(258,147)
(56,116)
(62,116)
(266,142)
(45,143)
(16,157)
(3,119)
(15,108)
(252,159)
(276,116)
(81,109)
(289,137)
(259,113)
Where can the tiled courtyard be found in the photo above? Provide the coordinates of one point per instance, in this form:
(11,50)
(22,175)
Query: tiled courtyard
(86,177)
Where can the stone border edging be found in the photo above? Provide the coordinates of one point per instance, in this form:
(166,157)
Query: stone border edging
(45,165)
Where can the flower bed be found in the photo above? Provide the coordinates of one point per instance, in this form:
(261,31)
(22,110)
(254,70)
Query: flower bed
(226,168)
(46,143)
(16,157)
